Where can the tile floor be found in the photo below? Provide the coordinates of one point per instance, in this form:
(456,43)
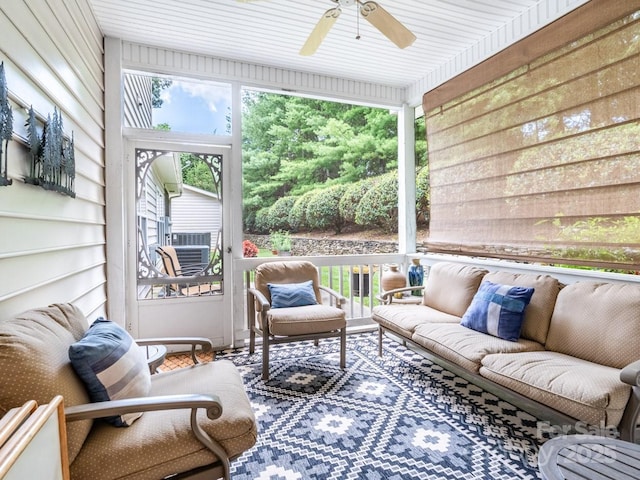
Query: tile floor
(179,360)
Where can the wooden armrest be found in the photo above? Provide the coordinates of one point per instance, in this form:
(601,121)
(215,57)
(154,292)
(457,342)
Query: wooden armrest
(388,296)
(147,404)
(340,300)
(260,298)
(631,374)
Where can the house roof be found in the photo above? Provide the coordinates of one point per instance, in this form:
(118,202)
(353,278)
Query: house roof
(452,35)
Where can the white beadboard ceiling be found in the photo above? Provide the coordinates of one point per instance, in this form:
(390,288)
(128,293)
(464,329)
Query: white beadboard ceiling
(452,35)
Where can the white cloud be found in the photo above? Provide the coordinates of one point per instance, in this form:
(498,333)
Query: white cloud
(211,94)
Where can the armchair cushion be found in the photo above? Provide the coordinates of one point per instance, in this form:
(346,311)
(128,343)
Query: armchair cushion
(112,366)
(305,320)
(161,441)
(292,294)
(34,362)
(498,310)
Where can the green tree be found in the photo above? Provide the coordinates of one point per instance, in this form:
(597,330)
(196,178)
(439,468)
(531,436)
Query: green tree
(197,173)
(157,85)
(292,145)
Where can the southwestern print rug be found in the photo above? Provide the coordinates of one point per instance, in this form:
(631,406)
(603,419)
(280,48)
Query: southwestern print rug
(396,417)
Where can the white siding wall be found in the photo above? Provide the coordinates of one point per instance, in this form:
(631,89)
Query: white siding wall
(52,247)
(137,101)
(195,212)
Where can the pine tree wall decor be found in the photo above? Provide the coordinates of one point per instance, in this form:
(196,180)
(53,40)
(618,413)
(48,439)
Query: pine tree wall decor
(6,127)
(52,157)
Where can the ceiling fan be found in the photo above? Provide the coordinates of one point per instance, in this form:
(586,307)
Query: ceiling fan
(370,11)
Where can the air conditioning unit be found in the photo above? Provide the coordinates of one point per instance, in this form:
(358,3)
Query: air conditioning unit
(189,238)
(192,254)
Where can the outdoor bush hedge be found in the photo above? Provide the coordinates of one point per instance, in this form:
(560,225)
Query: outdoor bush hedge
(379,206)
(298,214)
(423,196)
(261,223)
(323,209)
(351,198)
(279,213)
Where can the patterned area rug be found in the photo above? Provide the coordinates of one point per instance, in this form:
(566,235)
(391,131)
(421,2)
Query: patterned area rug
(396,417)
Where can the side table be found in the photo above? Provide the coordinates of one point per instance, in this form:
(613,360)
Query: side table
(155,356)
(589,457)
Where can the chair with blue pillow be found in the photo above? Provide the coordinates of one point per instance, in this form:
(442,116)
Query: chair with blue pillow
(286,305)
(121,421)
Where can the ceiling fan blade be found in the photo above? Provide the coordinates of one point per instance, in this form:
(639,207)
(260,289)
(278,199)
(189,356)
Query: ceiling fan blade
(388,25)
(320,31)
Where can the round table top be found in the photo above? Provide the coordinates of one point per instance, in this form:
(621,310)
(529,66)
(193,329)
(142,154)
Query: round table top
(155,355)
(590,457)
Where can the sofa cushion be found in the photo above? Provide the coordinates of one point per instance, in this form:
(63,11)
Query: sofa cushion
(35,364)
(403,319)
(598,322)
(498,310)
(537,316)
(450,287)
(466,347)
(112,366)
(584,390)
(139,458)
(292,294)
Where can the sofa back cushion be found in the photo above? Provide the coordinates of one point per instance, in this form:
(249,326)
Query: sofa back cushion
(35,364)
(450,287)
(537,315)
(598,322)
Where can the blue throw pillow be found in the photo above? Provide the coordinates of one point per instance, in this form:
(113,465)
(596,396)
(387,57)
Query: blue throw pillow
(292,294)
(112,366)
(498,310)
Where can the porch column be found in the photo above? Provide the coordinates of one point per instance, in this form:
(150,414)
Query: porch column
(406,180)
(115,192)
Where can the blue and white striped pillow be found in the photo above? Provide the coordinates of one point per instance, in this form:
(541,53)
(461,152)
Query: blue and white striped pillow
(498,310)
(112,366)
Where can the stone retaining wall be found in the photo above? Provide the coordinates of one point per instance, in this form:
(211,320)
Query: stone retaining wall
(318,246)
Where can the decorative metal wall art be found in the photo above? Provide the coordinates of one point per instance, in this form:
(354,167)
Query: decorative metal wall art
(52,157)
(6,127)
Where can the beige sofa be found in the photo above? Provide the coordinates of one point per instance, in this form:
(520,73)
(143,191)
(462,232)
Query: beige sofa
(577,359)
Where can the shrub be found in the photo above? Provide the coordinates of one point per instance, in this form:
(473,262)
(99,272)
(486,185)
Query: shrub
(351,198)
(280,241)
(423,196)
(379,206)
(323,209)
(261,222)
(279,213)
(298,214)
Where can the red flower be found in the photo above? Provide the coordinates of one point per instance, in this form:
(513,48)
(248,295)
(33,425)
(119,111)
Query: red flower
(249,249)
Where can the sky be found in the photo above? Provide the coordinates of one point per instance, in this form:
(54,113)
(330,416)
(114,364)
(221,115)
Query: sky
(194,107)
